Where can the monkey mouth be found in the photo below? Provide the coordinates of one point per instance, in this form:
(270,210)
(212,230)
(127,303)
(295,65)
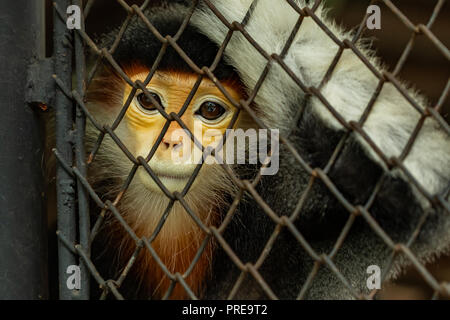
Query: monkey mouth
(172,181)
(172,176)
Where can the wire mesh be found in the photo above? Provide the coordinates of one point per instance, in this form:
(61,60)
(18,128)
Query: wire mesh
(77,169)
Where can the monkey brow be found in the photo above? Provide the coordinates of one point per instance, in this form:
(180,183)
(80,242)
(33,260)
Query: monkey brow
(165,77)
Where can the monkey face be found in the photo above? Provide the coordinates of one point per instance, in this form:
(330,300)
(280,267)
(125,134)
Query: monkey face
(143,127)
(207,116)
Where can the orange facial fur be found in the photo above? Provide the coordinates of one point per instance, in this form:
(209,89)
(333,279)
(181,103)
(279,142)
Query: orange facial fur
(143,204)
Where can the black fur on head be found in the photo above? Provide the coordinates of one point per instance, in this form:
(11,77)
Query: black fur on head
(140,46)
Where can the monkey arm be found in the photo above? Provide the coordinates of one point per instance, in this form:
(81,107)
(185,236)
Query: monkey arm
(366,156)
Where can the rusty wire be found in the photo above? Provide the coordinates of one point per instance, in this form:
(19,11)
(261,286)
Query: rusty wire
(112,286)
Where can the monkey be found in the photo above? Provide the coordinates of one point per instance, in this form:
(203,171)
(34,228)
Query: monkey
(144,202)
(311,130)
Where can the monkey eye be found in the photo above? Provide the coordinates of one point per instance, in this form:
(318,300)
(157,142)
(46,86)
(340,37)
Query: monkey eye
(210,110)
(145,102)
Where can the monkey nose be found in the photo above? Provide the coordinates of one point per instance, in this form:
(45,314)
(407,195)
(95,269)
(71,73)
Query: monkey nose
(171,143)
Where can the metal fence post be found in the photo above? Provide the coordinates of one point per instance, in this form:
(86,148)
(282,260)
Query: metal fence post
(80,125)
(65,183)
(23,239)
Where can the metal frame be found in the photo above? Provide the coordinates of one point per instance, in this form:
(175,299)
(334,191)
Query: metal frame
(23,235)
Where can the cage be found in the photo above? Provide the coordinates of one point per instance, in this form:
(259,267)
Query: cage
(49,74)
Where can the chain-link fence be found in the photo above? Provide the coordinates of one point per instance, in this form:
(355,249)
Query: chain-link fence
(76,233)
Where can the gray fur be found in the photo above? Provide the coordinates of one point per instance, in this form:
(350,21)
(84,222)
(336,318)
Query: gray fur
(399,205)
